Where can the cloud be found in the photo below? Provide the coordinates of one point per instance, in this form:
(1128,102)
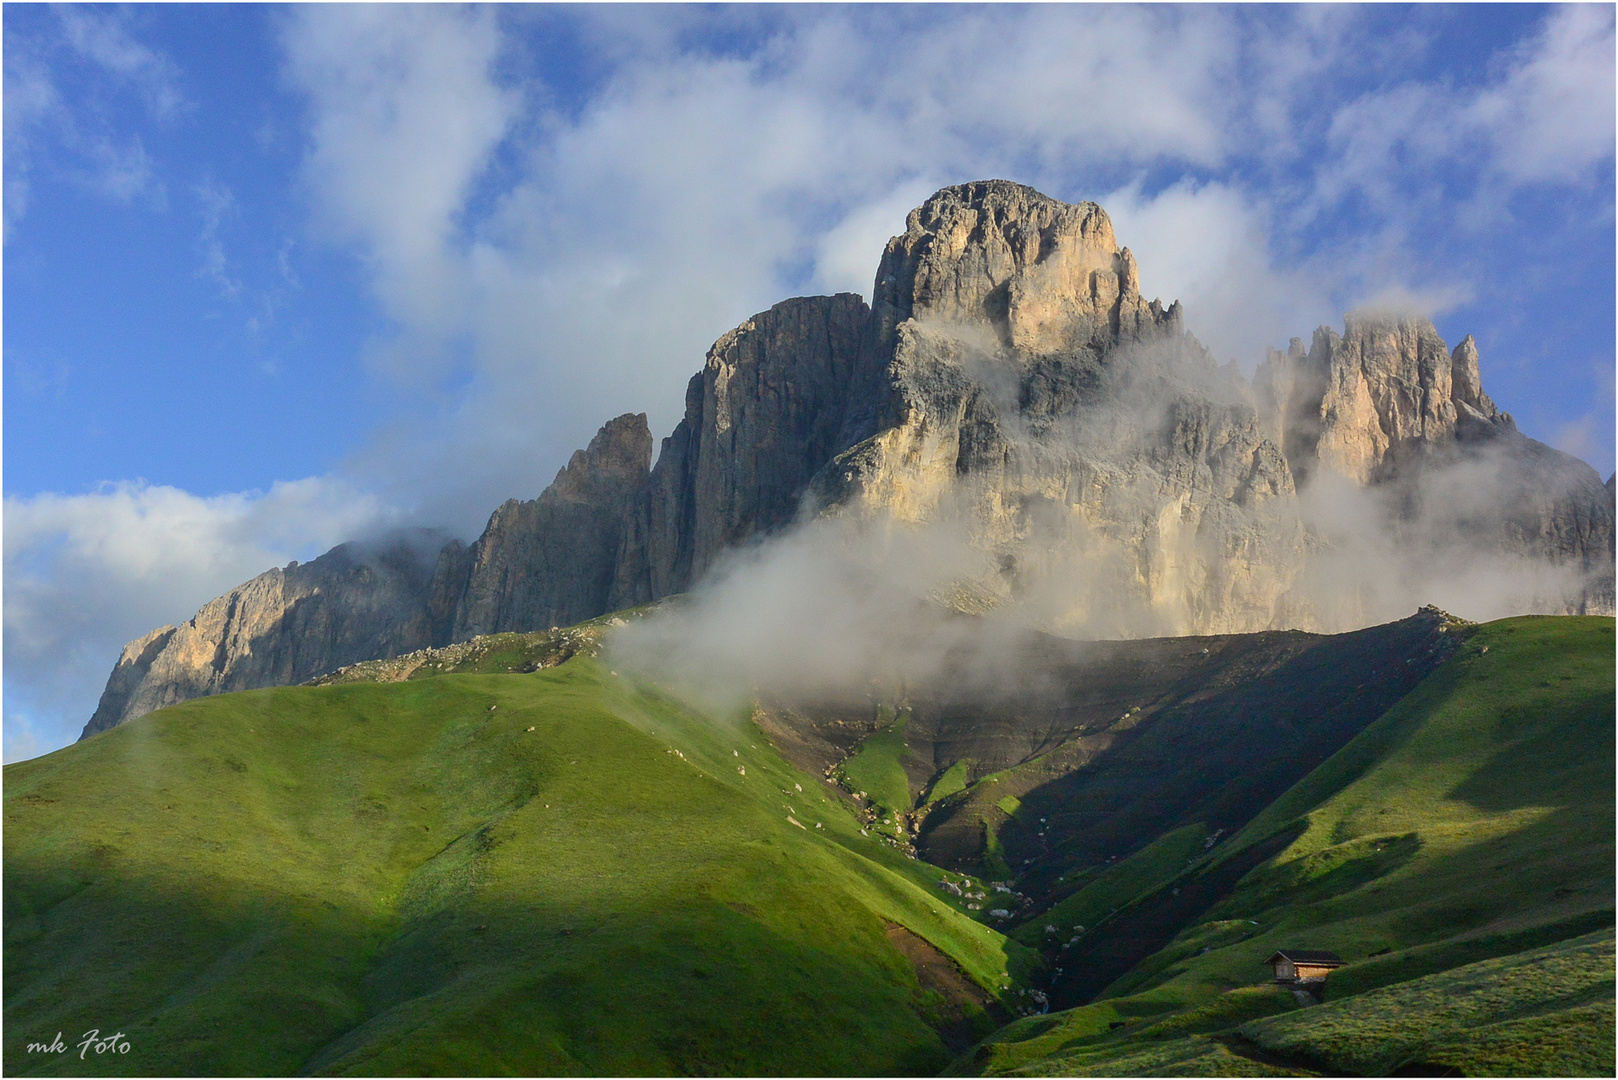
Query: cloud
(103,37)
(826,613)
(86,573)
(31,99)
(1208,245)
(846,255)
(1545,117)
(122,173)
(403,117)
(1550,118)
(1577,437)
(1128,83)
(218,205)
(1442,535)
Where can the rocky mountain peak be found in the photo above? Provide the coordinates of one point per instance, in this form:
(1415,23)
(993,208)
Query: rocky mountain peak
(1363,404)
(1467,383)
(1009,379)
(1048,276)
(620,455)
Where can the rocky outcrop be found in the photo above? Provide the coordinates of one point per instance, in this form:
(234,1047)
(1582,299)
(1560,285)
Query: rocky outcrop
(1466,382)
(769,408)
(1367,403)
(1093,452)
(1046,276)
(356,602)
(1390,409)
(552,561)
(1011,381)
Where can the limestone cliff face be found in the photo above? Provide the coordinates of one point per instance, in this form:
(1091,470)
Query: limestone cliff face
(1010,379)
(1048,277)
(551,561)
(1364,404)
(770,406)
(1095,453)
(1388,407)
(285,626)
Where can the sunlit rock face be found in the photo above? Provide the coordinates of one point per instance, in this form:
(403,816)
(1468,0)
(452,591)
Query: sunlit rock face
(769,407)
(1387,423)
(1009,386)
(1110,473)
(1364,404)
(1046,277)
(288,625)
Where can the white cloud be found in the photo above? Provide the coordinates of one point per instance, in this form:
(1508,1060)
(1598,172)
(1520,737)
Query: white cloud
(1208,245)
(123,172)
(103,38)
(1552,116)
(31,99)
(86,573)
(218,205)
(1547,116)
(40,119)
(404,116)
(1131,83)
(846,255)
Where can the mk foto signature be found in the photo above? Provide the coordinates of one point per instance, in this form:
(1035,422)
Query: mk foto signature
(93,1041)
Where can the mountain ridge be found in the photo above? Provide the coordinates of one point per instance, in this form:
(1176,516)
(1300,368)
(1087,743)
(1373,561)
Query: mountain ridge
(1010,375)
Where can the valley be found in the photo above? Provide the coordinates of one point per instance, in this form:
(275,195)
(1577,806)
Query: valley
(514,859)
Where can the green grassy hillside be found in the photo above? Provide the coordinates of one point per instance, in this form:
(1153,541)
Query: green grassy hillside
(1542,1012)
(524,873)
(1459,850)
(452,864)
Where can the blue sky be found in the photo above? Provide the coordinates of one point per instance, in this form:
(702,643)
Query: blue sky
(280,276)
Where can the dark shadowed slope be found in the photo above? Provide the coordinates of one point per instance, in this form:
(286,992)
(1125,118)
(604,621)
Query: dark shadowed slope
(1473,822)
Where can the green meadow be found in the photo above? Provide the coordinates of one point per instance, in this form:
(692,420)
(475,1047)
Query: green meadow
(479,870)
(543,873)
(1457,854)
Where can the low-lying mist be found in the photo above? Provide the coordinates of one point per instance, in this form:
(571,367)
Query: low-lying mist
(1444,536)
(827,612)
(1111,507)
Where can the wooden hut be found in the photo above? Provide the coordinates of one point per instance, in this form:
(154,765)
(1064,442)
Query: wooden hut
(1303,965)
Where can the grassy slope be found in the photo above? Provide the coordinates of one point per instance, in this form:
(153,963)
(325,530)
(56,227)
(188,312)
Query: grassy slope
(398,879)
(875,770)
(1142,873)
(1473,821)
(950,781)
(1536,1013)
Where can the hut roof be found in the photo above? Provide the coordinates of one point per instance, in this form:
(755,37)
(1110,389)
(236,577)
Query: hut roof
(1313,957)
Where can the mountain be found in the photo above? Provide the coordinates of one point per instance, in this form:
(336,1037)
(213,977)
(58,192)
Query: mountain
(287,625)
(1009,379)
(506,857)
